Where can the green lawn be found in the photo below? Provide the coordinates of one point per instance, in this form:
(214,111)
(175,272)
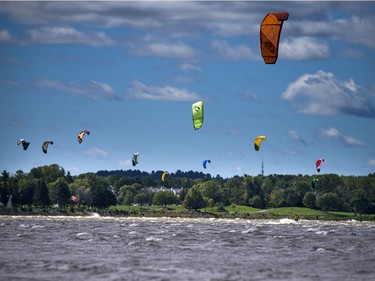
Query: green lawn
(243,211)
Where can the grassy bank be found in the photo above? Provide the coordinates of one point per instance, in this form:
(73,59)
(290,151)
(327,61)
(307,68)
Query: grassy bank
(233,212)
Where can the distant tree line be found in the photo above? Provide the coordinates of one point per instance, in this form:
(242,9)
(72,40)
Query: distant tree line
(51,185)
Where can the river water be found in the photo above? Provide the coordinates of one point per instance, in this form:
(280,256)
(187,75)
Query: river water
(104,248)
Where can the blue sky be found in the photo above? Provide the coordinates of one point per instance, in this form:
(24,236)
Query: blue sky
(130,71)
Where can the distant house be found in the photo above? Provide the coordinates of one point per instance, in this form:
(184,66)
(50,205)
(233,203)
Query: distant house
(176,191)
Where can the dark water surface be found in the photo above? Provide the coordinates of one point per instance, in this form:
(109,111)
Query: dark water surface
(102,248)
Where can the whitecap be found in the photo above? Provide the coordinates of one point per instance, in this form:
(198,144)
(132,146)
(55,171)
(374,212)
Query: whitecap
(151,238)
(287,221)
(94,215)
(249,230)
(320,250)
(37,226)
(82,234)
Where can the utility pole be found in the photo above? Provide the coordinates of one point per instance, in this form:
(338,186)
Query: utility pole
(262,167)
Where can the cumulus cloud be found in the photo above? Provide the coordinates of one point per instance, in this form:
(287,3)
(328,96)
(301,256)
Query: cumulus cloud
(96,152)
(152,46)
(303,48)
(93,89)
(371,162)
(69,35)
(322,93)
(5,36)
(296,136)
(139,90)
(187,18)
(233,53)
(333,133)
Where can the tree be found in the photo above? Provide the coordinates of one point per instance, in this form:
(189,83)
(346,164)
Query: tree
(211,189)
(4,192)
(141,198)
(194,199)
(328,202)
(128,198)
(41,194)
(27,189)
(236,190)
(101,192)
(257,202)
(360,202)
(164,198)
(309,200)
(296,192)
(59,192)
(277,198)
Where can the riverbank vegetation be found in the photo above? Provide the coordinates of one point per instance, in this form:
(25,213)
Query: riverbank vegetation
(51,190)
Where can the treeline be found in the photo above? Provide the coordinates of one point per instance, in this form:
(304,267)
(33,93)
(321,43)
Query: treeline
(51,185)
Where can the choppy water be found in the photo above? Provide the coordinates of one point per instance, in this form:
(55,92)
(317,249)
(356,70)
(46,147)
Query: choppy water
(96,248)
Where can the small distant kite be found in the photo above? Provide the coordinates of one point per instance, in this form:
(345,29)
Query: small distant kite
(258,141)
(135,159)
(45,145)
(270,30)
(164,175)
(205,163)
(318,163)
(81,134)
(198,114)
(24,143)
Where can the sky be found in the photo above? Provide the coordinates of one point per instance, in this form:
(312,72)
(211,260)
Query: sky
(130,71)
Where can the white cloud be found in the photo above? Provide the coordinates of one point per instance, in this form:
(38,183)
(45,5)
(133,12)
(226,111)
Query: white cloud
(303,48)
(233,53)
(322,93)
(96,152)
(187,67)
(126,163)
(5,36)
(233,131)
(11,83)
(93,89)
(248,96)
(371,162)
(69,35)
(223,18)
(333,133)
(296,136)
(152,46)
(142,91)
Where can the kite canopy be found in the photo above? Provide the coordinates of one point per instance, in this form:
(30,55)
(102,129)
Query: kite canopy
(258,141)
(81,134)
(313,182)
(205,163)
(45,145)
(198,114)
(270,30)
(24,143)
(135,159)
(163,176)
(318,163)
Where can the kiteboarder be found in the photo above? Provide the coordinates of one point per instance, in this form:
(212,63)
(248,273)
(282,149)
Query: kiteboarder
(296,218)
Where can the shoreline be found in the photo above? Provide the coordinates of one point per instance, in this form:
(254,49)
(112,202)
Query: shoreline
(163,212)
